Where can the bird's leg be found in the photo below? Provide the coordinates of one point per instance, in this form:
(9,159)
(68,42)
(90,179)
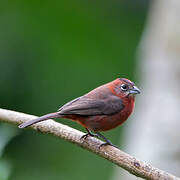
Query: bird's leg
(107,141)
(89,133)
(97,134)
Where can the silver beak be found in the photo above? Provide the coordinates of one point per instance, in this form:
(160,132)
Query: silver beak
(135,90)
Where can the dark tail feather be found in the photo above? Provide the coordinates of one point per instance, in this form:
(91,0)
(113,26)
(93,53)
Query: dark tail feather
(42,118)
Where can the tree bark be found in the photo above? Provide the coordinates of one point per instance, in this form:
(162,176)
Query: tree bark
(118,157)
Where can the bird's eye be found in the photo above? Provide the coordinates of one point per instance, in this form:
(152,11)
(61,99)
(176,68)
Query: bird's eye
(124,87)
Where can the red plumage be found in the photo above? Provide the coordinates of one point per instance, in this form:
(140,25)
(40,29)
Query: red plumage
(101,109)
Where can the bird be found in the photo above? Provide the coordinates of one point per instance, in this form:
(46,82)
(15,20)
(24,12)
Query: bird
(101,109)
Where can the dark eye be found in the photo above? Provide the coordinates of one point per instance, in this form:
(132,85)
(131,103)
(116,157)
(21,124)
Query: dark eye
(124,87)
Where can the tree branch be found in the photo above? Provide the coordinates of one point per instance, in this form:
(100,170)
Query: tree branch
(116,156)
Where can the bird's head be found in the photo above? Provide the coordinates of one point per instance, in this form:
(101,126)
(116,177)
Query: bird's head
(123,87)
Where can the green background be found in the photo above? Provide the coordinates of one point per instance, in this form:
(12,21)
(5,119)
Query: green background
(50,53)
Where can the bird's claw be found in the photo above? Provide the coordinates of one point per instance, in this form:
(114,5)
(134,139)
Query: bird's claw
(89,134)
(84,136)
(108,143)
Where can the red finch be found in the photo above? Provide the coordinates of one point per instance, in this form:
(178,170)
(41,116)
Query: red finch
(102,109)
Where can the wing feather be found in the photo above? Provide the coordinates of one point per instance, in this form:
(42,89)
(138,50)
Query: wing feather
(90,107)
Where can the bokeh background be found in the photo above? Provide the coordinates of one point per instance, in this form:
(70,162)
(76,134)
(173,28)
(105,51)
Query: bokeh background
(50,53)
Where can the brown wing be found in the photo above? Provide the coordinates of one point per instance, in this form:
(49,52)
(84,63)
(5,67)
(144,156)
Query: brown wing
(90,107)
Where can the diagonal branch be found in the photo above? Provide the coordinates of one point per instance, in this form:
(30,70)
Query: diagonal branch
(116,156)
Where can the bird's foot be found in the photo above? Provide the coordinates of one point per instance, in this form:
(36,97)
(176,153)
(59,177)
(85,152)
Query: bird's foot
(85,136)
(98,135)
(89,134)
(108,143)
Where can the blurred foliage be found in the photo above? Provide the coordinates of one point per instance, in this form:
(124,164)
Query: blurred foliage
(7,132)
(50,53)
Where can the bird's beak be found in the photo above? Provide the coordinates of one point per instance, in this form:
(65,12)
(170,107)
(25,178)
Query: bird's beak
(134,90)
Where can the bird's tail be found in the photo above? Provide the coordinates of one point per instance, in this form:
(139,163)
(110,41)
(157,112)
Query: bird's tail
(42,118)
